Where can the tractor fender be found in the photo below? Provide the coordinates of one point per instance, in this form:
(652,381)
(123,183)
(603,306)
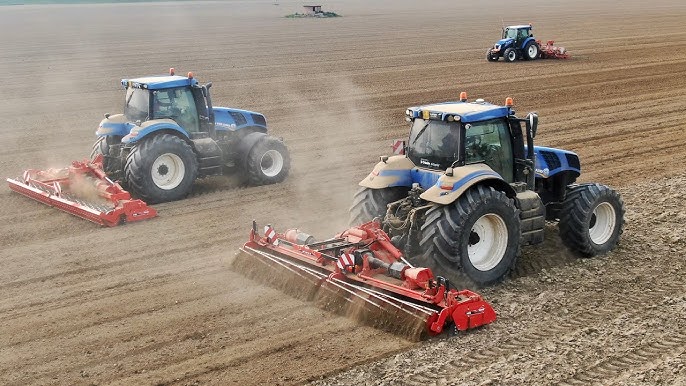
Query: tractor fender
(114,125)
(394,171)
(449,188)
(246,144)
(525,42)
(153,126)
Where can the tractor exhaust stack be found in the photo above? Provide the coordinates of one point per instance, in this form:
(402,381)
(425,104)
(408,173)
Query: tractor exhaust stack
(84,190)
(360,274)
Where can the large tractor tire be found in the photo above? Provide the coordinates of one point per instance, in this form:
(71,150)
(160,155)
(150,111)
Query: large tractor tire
(161,168)
(371,203)
(102,147)
(591,219)
(510,55)
(531,51)
(479,234)
(491,56)
(268,162)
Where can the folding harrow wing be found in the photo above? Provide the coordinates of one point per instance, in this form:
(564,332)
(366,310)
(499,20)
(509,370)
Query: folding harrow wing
(360,273)
(84,190)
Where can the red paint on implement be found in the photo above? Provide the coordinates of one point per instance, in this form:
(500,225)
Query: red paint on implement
(58,187)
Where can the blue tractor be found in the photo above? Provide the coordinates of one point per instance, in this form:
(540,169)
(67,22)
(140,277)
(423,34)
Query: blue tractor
(470,188)
(170,134)
(517,43)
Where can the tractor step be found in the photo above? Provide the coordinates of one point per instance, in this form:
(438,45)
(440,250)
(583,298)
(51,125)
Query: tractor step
(84,190)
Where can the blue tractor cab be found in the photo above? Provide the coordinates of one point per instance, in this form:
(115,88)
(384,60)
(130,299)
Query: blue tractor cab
(517,42)
(170,134)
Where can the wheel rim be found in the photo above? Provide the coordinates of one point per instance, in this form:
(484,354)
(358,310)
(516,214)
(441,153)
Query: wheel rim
(168,171)
(487,242)
(512,55)
(271,163)
(603,222)
(533,51)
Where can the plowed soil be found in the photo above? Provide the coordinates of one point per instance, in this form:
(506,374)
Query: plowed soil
(157,303)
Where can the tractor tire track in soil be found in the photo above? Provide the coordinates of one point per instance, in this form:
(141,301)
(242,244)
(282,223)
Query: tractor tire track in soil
(157,303)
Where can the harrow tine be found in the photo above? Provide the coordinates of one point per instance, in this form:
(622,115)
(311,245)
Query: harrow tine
(367,306)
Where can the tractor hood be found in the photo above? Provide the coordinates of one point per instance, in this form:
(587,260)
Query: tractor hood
(504,42)
(236,119)
(114,125)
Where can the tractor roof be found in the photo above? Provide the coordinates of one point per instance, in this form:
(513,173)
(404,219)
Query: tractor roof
(520,26)
(468,111)
(159,82)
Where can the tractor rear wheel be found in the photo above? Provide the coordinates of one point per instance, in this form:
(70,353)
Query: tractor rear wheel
(531,51)
(371,203)
(491,56)
(591,219)
(478,234)
(510,55)
(268,162)
(161,168)
(102,147)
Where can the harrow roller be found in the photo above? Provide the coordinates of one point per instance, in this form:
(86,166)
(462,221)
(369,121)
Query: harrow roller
(84,190)
(360,274)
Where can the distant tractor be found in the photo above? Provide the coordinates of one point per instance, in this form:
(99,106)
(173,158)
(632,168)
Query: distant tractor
(170,134)
(470,188)
(517,43)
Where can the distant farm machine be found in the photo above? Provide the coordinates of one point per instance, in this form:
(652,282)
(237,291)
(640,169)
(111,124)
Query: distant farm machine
(518,42)
(169,135)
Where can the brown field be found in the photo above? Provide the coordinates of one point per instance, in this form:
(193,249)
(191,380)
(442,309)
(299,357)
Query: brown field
(156,303)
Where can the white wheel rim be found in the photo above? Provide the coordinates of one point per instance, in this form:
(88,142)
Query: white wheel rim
(512,55)
(271,163)
(602,223)
(168,171)
(532,51)
(487,242)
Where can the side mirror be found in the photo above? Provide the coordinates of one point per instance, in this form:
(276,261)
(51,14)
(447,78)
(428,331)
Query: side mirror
(532,123)
(398,147)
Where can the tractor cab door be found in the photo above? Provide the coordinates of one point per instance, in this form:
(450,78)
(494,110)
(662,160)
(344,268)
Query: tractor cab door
(204,116)
(179,105)
(490,142)
(522,35)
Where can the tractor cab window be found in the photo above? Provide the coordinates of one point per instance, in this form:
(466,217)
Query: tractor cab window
(489,142)
(177,104)
(137,104)
(510,33)
(522,35)
(434,144)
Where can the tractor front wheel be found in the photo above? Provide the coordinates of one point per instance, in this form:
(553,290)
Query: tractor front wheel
(268,162)
(531,51)
(371,203)
(161,168)
(491,56)
(510,55)
(591,219)
(478,234)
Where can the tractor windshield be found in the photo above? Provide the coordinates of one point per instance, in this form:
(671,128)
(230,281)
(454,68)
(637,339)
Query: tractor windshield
(510,33)
(137,104)
(433,144)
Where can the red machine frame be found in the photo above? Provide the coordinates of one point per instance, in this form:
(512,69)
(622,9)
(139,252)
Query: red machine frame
(374,271)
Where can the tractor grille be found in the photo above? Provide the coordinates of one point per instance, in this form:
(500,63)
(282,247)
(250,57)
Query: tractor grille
(573,161)
(551,160)
(238,117)
(259,119)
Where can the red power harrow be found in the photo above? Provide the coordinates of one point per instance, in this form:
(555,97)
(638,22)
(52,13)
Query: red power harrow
(369,273)
(550,51)
(84,190)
